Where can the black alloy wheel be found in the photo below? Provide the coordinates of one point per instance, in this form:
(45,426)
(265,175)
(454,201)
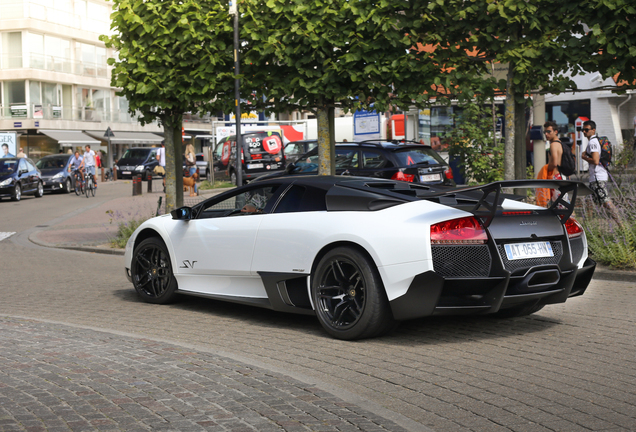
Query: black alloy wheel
(349,297)
(151,272)
(17,192)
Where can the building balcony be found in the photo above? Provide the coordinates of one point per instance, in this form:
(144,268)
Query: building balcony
(54,64)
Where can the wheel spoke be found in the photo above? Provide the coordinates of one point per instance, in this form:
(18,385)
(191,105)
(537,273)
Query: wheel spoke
(143,262)
(338,273)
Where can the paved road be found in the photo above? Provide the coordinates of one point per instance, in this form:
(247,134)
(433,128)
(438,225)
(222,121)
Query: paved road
(567,368)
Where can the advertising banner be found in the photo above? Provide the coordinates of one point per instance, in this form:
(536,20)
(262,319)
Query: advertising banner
(366,125)
(8,144)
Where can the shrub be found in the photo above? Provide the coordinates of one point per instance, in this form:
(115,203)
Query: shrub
(124,231)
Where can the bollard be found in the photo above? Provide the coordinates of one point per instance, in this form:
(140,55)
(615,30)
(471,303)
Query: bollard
(149,177)
(136,182)
(115,173)
(102,174)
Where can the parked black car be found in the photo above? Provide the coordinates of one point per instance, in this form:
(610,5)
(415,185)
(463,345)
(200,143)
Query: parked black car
(410,162)
(19,176)
(137,160)
(55,175)
(262,153)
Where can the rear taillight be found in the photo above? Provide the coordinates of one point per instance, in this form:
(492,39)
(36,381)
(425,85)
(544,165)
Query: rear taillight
(573,228)
(466,230)
(449,174)
(400,176)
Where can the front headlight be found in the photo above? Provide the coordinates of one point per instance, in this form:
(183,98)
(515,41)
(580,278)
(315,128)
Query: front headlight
(57,176)
(139,168)
(6,182)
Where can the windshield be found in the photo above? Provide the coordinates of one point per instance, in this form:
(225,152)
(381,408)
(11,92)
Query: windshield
(8,166)
(52,162)
(414,156)
(136,154)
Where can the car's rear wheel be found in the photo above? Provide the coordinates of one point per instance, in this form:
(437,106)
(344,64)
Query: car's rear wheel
(349,297)
(520,311)
(17,192)
(151,272)
(40,190)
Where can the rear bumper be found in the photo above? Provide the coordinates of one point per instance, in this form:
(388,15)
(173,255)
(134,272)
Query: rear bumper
(432,294)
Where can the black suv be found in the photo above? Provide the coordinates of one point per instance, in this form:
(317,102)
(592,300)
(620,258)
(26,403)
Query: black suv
(406,161)
(137,161)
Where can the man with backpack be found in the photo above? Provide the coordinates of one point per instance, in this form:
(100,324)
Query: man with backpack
(560,158)
(598,170)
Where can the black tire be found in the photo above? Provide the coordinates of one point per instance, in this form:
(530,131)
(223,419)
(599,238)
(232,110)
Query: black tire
(68,185)
(39,192)
(524,309)
(151,272)
(349,296)
(87,186)
(17,193)
(92,186)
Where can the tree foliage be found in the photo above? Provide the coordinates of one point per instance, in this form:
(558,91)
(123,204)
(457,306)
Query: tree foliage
(173,57)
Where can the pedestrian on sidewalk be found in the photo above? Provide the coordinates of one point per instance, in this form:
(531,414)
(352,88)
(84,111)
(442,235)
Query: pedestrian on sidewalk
(597,172)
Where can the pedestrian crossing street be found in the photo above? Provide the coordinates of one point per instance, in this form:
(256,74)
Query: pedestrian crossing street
(5,235)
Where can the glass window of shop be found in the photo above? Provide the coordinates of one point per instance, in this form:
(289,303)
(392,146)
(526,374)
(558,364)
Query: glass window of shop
(11,50)
(424,126)
(566,113)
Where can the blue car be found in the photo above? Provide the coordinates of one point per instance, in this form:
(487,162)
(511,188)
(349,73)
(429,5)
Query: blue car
(55,175)
(20,176)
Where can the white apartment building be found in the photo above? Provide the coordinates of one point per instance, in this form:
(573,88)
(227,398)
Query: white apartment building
(55,91)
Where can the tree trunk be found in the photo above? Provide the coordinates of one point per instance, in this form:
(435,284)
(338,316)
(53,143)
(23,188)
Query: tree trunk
(509,146)
(520,139)
(174,170)
(326,141)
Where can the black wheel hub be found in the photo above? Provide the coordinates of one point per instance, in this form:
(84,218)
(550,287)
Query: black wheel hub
(151,271)
(341,294)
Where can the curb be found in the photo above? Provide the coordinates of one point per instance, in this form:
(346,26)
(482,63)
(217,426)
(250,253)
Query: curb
(107,250)
(608,274)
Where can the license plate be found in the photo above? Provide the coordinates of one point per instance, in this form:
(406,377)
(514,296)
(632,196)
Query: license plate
(429,177)
(528,250)
(254,166)
(126,172)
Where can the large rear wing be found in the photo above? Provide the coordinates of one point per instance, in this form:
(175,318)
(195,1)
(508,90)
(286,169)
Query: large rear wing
(492,196)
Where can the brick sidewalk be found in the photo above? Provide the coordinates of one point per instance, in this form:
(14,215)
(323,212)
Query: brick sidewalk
(56,377)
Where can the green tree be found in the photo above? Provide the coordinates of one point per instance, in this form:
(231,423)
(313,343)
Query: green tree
(324,54)
(474,146)
(172,57)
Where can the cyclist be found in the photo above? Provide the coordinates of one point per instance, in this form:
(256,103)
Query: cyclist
(75,164)
(88,162)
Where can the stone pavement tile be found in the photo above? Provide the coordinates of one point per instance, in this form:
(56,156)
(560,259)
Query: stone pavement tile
(128,383)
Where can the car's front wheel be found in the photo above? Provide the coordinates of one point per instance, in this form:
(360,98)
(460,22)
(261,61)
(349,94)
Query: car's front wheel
(17,192)
(68,185)
(151,272)
(349,296)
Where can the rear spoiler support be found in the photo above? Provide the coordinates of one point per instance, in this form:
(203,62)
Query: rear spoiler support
(486,211)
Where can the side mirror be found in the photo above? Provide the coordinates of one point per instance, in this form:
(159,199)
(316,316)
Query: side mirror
(290,168)
(182,213)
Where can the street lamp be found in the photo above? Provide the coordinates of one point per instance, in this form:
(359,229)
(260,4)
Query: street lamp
(237,93)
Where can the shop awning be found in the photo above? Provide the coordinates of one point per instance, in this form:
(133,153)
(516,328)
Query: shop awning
(69,138)
(131,138)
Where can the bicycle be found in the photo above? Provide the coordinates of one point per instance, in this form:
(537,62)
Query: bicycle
(78,179)
(89,181)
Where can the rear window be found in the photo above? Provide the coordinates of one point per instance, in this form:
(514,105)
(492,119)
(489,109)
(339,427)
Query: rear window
(52,162)
(414,156)
(262,145)
(136,154)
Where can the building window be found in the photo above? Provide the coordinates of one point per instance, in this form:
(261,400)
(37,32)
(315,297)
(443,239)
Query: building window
(566,113)
(11,50)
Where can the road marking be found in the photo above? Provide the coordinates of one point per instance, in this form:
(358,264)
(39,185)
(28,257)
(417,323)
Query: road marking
(4,235)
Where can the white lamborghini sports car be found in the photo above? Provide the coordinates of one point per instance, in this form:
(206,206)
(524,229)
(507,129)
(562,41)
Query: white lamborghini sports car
(363,254)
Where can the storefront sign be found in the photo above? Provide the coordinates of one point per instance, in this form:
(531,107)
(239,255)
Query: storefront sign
(19,110)
(38,111)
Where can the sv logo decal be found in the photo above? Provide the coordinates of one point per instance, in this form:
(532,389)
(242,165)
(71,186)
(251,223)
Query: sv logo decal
(188,264)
